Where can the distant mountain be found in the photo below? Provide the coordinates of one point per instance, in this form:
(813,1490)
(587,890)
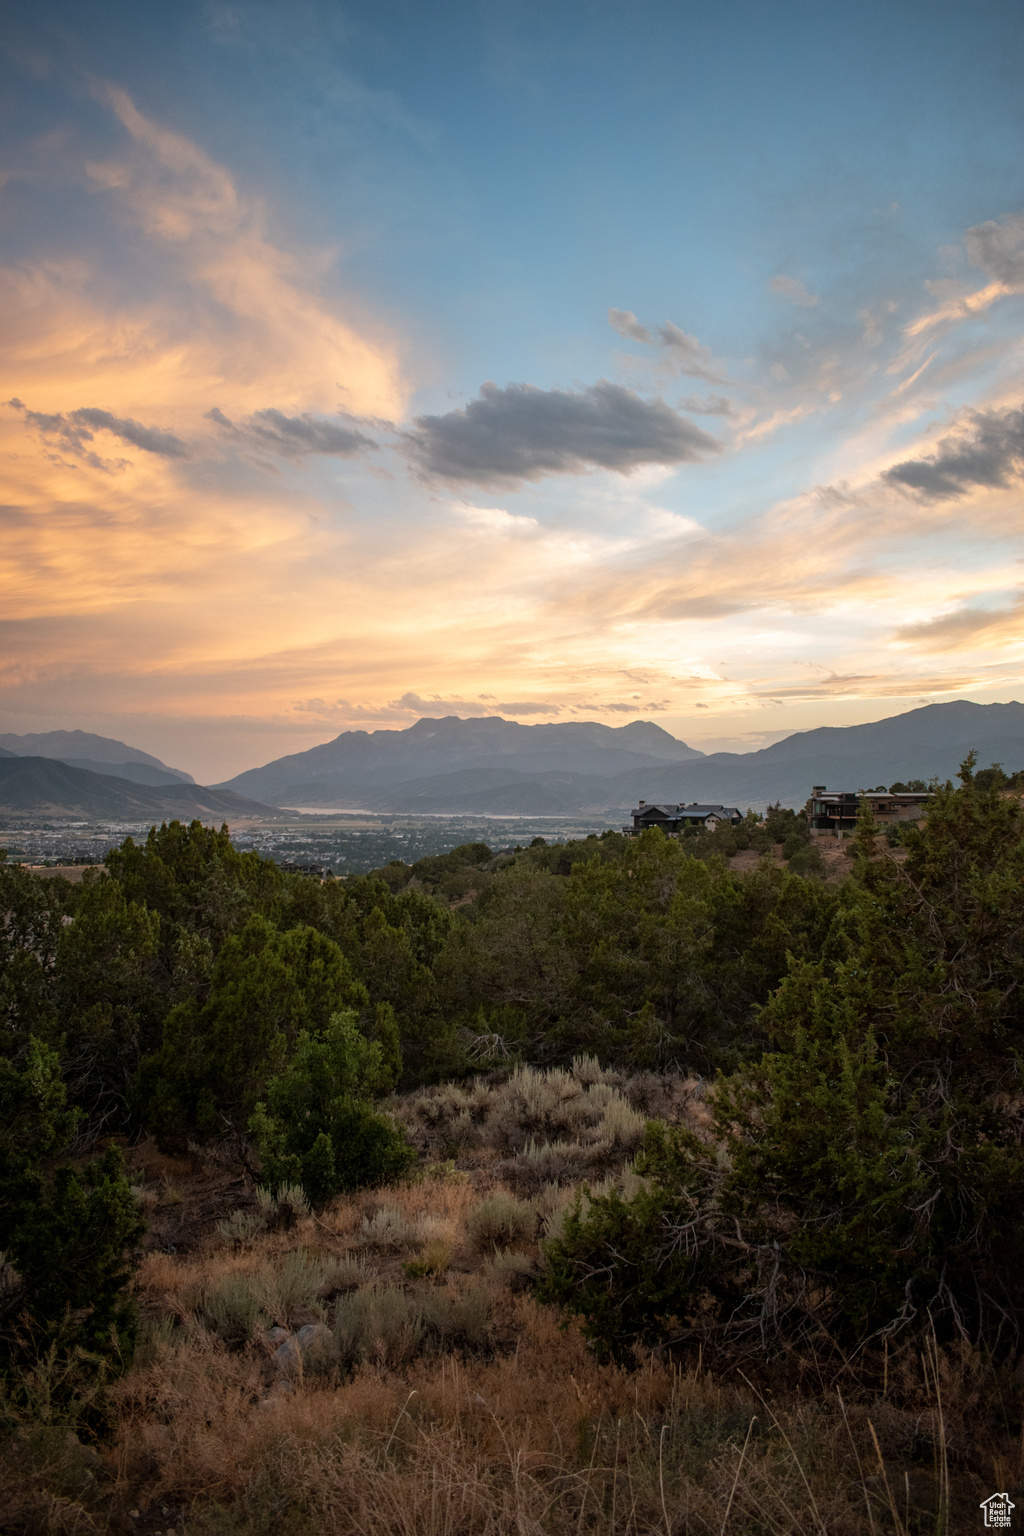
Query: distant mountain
(97,754)
(136,773)
(919,744)
(331,773)
(43,786)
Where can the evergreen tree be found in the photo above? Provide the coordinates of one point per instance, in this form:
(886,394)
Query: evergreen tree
(216,1058)
(67,1234)
(318,1127)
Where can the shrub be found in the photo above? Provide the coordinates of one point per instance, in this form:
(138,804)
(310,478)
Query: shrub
(433,1260)
(242,1228)
(282,1209)
(389,1230)
(806,860)
(380,1324)
(315,1128)
(454,1321)
(501,1222)
(232,1310)
(267,991)
(512,1268)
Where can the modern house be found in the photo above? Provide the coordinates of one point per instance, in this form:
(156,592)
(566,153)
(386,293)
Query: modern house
(672,819)
(314,871)
(837,810)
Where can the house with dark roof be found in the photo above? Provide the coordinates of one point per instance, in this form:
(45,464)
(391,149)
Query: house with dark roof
(673,818)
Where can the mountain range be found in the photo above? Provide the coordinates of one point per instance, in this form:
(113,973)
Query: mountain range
(492,766)
(97,754)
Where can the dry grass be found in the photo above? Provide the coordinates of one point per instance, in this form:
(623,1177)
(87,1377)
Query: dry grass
(452,1401)
(442,1399)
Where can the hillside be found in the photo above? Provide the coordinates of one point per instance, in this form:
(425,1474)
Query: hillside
(97,754)
(41,786)
(405,1291)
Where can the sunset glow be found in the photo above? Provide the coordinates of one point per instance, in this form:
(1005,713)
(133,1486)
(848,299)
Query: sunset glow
(365,362)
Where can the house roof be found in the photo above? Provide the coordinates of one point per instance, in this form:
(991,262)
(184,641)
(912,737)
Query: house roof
(695,808)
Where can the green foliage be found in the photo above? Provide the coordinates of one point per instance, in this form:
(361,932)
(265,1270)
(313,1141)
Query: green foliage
(194,878)
(385,1035)
(995,778)
(67,1234)
(806,860)
(316,1127)
(29,935)
(643,953)
(868,1175)
(109,997)
(267,988)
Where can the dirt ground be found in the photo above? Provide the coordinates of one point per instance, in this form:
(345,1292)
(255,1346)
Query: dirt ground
(72,872)
(834,854)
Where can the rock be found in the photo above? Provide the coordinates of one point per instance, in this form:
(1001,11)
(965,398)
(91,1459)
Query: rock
(310,1333)
(276,1336)
(290,1355)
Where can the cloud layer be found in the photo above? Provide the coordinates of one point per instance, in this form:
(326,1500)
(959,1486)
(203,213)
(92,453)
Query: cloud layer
(293,437)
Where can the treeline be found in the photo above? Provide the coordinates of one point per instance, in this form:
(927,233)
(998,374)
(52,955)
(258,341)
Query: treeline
(177,984)
(867,1131)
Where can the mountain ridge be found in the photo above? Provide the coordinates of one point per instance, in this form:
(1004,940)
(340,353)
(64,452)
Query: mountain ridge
(95,754)
(432,745)
(931,740)
(45,786)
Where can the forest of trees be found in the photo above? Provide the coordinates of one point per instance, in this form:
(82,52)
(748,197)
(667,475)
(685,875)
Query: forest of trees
(862,1173)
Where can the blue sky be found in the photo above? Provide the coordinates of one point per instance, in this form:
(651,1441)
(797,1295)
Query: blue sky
(576,361)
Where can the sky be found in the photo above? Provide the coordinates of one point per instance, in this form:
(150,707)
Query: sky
(651,360)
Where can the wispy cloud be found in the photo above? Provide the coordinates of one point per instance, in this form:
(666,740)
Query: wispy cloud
(684,353)
(293,437)
(434,705)
(794,290)
(997,248)
(73,431)
(968,625)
